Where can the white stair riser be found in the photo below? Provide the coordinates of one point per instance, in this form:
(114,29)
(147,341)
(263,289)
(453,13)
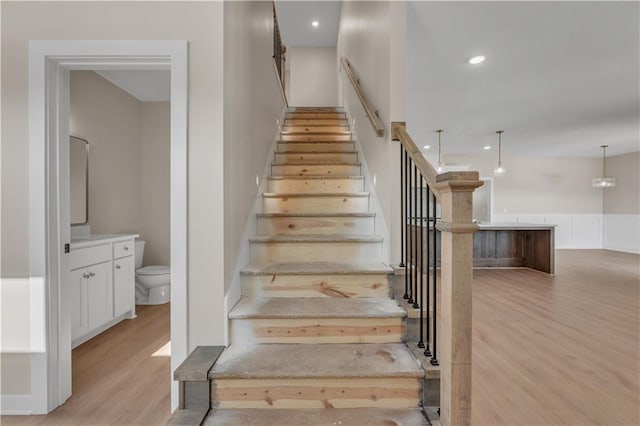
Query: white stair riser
(315,146)
(315,225)
(393,392)
(318,330)
(316,252)
(346,157)
(315,170)
(313,204)
(315,185)
(338,286)
(314,137)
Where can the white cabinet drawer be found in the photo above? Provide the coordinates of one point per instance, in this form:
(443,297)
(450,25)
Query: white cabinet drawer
(86,256)
(123,248)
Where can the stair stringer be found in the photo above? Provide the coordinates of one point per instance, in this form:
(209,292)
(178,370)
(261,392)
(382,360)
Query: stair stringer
(234,293)
(374,205)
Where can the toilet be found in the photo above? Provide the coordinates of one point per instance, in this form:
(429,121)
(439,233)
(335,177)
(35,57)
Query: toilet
(153,283)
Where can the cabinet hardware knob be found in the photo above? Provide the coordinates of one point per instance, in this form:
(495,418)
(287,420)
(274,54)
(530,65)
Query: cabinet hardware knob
(126,247)
(85,275)
(117,266)
(92,274)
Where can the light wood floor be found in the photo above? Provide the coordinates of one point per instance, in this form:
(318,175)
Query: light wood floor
(558,350)
(547,350)
(117,379)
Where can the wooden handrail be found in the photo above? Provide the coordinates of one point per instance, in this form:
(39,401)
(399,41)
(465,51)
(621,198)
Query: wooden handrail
(280,85)
(279,55)
(454,191)
(433,179)
(368,108)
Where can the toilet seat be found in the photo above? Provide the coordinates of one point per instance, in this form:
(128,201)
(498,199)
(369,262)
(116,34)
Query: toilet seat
(154,270)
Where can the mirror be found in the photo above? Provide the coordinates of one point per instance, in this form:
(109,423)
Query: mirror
(78,180)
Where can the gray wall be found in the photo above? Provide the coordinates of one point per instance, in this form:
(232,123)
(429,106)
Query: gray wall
(624,198)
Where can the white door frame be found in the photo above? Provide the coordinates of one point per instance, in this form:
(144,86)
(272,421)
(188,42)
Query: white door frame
(49,65)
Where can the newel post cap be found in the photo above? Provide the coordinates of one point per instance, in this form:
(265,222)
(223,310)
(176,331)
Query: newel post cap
(396,126)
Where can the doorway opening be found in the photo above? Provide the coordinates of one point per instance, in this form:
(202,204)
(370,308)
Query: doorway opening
(50,65)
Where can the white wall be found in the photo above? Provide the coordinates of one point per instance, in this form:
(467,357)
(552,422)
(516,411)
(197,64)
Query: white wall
(155,181)
(201,24)
(535,185)
(252,104)
(371,37)
(545,190)
(313,76)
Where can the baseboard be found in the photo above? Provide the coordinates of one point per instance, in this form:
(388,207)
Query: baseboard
(381,228)
(632,250)
(234,293)
(15,405)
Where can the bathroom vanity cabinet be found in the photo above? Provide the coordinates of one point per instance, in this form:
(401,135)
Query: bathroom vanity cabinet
(102,284)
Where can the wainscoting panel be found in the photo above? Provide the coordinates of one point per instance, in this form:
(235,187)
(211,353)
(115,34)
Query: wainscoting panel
(573,231)
(622,232)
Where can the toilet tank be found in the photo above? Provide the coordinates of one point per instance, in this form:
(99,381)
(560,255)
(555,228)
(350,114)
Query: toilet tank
(139,253)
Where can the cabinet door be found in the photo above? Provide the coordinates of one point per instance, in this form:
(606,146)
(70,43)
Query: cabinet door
(100,295)
(123,285)
(78,303)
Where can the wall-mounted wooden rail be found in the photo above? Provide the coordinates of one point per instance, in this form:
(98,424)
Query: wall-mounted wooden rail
(280,85)
(445,335)
(279,55)
(368,108)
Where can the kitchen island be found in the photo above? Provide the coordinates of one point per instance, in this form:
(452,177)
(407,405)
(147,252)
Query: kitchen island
(515,245)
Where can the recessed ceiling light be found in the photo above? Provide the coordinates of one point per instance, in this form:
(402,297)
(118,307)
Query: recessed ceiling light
(487,147)
(315,23)
(476,60)
(427,147)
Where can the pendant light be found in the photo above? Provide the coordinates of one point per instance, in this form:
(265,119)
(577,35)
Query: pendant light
(499,171)
(440,168)
(604,181)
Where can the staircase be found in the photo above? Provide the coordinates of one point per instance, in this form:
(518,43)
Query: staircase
(316,339)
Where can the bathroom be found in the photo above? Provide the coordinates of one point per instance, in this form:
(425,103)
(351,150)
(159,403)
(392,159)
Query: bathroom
(119,122)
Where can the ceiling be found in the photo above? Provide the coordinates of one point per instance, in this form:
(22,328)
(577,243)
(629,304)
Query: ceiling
(561,78)
(146,86)
(295,17)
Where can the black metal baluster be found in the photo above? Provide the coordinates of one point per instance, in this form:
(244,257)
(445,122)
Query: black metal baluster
(407,188)
(402,218)
(415,243)
(421,304)
(427,305)
(434,357)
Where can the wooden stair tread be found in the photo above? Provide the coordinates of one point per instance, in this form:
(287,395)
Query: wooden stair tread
(315,141)
(316,152)
(320,177)
(317,238)
(313,194)
(317,417)
(337,360)
(316,131)
(316,268)
(316,163)
(315,215)
(316,307)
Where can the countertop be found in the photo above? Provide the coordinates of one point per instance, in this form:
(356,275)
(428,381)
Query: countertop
(506,226)
(97,239)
